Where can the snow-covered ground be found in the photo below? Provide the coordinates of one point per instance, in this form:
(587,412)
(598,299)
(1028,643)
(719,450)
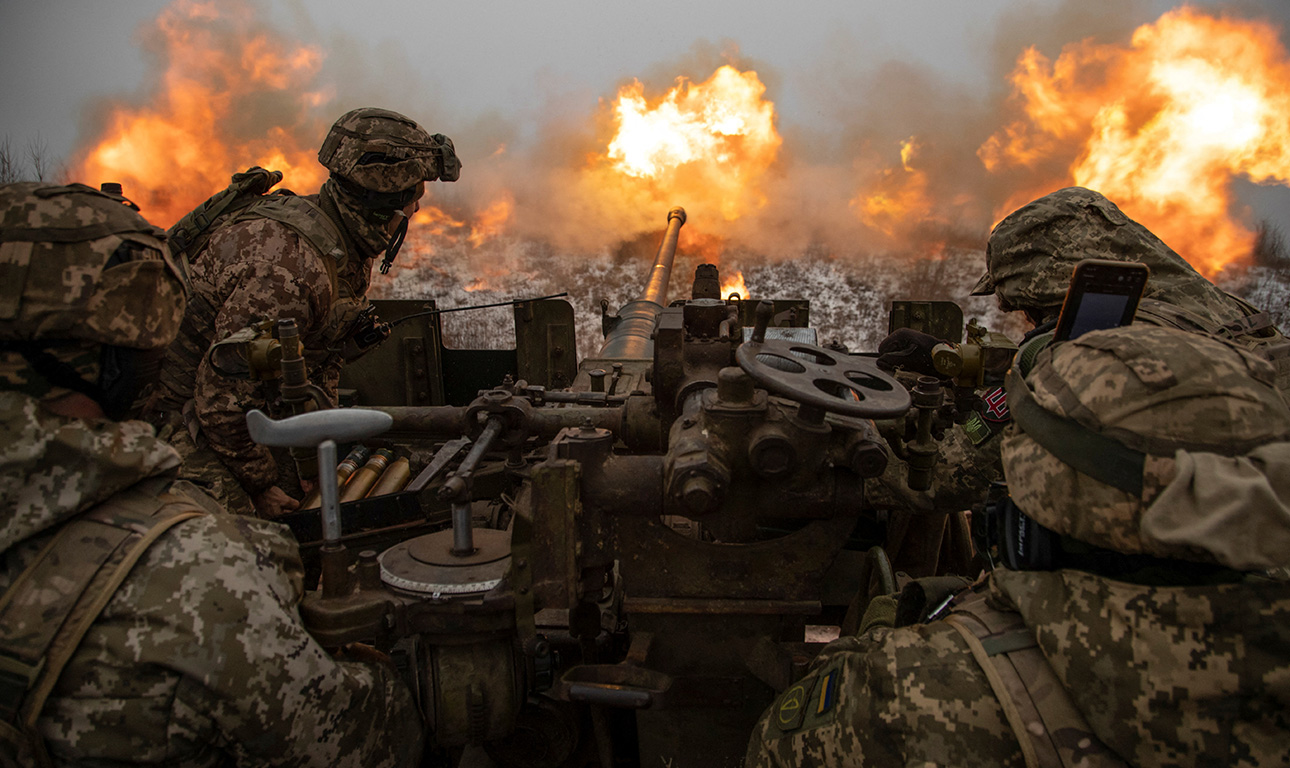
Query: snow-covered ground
(850,294)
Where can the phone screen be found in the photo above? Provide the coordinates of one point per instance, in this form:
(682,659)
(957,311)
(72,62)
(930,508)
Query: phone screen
(1103,294)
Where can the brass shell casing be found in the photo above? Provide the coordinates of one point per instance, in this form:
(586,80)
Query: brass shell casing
(396,475)
(362,481)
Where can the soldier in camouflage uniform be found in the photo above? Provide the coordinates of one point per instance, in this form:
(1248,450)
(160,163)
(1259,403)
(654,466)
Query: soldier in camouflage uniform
(1155,466)
(136,628)
(287,256)
(1030,257)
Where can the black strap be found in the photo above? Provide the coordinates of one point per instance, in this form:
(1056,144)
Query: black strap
(1100,457)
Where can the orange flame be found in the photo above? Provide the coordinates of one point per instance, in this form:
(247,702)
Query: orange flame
(902,194)
(734,284)
(491,222)
(221,66)
(706,145)
(1162,127)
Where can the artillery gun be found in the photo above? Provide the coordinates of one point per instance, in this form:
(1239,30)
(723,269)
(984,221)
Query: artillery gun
(614,562)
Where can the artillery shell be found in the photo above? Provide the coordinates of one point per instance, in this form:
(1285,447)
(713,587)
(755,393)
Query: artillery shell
(393,479)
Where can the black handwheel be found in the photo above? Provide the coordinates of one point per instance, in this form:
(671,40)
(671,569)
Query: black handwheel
(822,379)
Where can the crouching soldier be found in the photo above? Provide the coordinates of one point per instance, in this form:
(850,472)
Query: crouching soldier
(137,628)
(1149,480)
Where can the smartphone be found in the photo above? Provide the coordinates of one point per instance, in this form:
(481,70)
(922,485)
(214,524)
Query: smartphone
(1103,294)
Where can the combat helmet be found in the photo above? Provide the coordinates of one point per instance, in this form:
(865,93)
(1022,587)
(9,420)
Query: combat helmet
(1033,250)
(1154,441)
(386,153)
(378,160)
(106,301)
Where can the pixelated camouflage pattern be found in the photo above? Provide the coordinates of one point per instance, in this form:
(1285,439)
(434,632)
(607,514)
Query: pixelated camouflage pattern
(960,478)
(203,467)
(199,658)
(416,155)
(365,234)
(912,696)
(52,468)
(253,269)
(1158,391)
(1190,675)
(1164,676)
(70,233)
(1033,250)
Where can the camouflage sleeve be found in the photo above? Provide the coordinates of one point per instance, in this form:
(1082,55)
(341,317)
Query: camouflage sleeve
(268,272)
(201,654)
(910,696)
(964,470)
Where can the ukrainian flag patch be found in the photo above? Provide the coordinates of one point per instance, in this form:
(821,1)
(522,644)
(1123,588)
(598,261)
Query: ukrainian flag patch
(826,693)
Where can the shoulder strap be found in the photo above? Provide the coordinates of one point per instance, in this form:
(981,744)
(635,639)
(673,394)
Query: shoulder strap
(40,627)
(1051,731)
(310,222)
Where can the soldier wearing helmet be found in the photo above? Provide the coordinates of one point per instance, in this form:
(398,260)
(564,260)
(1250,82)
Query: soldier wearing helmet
(1032,252)
(1149,473)
(137,628)
(1030,257)
(308,258)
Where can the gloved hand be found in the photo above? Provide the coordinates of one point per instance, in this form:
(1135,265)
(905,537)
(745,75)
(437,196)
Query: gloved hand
(908,349)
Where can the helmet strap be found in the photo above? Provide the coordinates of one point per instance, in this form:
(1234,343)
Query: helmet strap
(396,242)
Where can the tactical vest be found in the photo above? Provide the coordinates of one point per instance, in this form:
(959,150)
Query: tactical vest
(303,217)
(1050,729)
(41,628)
(190,234)
(1254,332)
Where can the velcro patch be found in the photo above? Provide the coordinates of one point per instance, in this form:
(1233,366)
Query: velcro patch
(791,708)
(977,430)
(995,406)
(826,693)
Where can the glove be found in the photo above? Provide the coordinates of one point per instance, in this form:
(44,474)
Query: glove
(908,349)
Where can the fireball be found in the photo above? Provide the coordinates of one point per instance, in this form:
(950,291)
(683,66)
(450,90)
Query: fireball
(1162,127)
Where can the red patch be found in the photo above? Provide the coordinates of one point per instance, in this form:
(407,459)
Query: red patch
(996,406)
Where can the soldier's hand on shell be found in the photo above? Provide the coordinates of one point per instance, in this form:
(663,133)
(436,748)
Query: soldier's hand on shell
(908,349)
(273,502)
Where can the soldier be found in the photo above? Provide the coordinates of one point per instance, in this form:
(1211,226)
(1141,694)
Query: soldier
(136,628)
(1029,258)
(1149,473)
(285,256)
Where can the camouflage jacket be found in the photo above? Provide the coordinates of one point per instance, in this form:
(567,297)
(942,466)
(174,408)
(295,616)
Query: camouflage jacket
(968,457)
(199,658)
(256,269)
(1164,676)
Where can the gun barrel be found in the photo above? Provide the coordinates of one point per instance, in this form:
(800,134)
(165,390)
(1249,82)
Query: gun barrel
(630,338)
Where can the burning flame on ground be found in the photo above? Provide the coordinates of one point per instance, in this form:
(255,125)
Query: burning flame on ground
(1161,127)
(220,65)
(705,146)
(491,222)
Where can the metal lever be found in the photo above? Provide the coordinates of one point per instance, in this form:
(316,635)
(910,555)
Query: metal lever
(322,429)
(457,487)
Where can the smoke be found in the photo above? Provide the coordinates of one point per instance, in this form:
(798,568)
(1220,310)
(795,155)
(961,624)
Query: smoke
(883,159)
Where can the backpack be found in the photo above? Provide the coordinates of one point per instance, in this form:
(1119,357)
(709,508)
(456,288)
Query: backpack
(189,235)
